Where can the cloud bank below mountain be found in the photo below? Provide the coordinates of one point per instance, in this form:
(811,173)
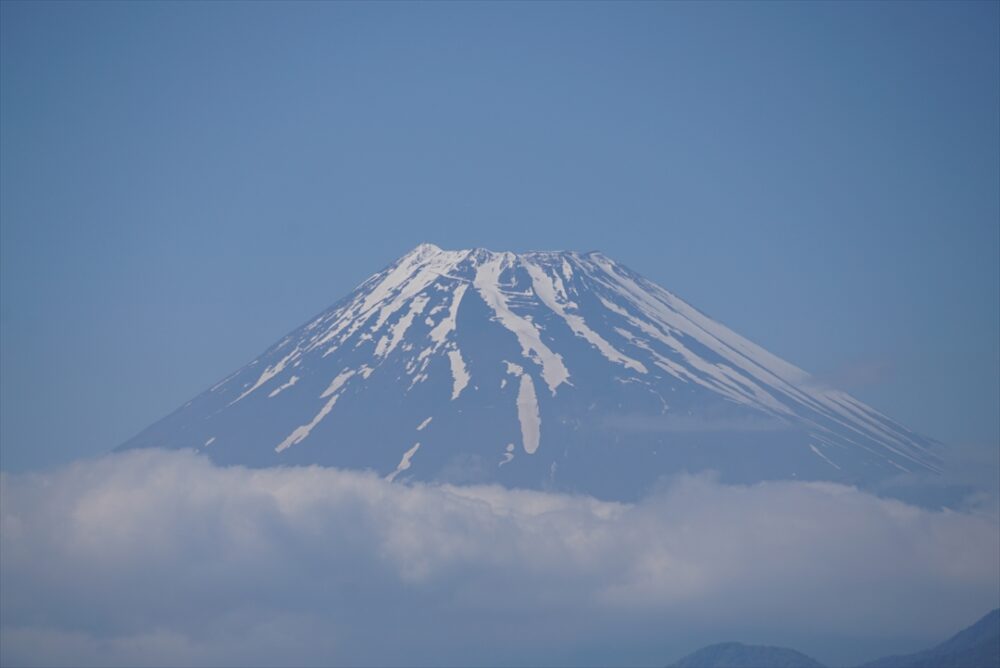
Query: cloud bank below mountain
(152,557)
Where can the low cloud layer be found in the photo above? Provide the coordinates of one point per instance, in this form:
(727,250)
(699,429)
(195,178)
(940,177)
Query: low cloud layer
(150,557)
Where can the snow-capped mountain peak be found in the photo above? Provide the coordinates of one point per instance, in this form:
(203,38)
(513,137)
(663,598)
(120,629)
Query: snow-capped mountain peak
(535,369)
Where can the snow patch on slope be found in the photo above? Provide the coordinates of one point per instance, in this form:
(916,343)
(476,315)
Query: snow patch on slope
(549,289)
(396,333)
(528,415)
(269,373)
(459,374)
(404,463)
(284,386)
(487,282)
(508,455)
(447,324)
(819,454)
(300,433)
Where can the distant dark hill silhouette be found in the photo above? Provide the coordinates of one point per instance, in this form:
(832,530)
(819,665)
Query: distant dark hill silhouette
(975,647)
(738,655)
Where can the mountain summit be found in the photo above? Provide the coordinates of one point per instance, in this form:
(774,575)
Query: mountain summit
(554,370)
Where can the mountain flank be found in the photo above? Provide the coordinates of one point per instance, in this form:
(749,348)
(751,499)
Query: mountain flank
(978,646)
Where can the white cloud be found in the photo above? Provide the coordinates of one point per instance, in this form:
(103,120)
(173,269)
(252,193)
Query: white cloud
(151,557)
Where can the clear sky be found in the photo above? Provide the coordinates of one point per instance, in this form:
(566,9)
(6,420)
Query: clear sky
(184,183)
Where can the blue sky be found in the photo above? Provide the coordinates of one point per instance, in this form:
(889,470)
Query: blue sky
(184,183)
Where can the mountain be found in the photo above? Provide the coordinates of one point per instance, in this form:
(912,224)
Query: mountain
(738,655)
(976,647)
(547,370)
